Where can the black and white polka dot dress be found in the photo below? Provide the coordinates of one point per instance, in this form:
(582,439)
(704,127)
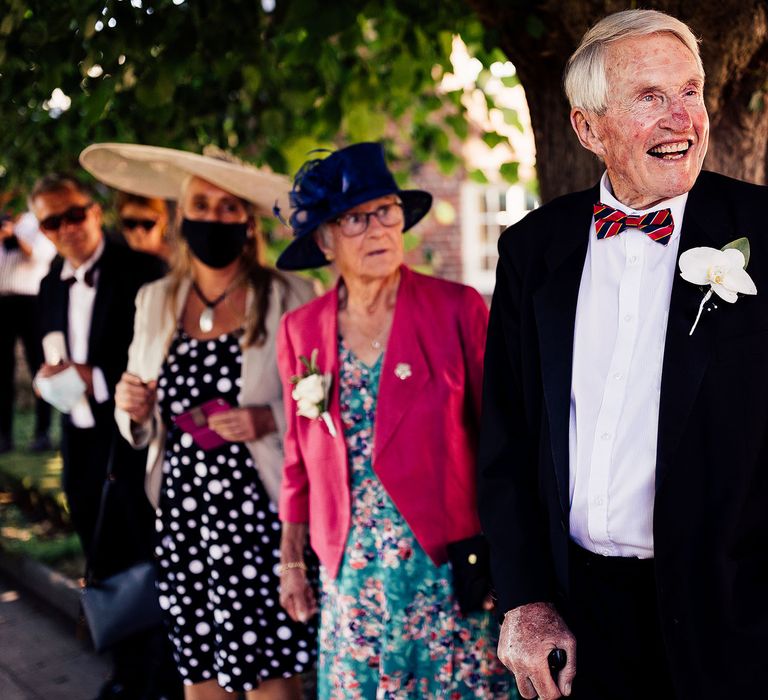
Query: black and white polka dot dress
(219,538)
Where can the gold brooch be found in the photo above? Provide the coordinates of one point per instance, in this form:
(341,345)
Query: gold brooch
(403,370)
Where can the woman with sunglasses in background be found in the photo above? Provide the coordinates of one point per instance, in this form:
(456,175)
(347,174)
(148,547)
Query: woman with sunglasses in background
(203,391)
(385,372)
(144,224)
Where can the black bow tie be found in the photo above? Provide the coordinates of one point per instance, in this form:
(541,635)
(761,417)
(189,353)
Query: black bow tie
(89,278)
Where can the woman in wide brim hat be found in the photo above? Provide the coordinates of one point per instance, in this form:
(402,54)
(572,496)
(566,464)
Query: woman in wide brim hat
(155,171)
(385,375)
(201,390)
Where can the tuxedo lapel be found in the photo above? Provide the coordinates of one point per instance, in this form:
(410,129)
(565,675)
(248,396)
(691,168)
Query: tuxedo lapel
(686,356)
(59,304)
(555,311)
(405,371)
(105,289)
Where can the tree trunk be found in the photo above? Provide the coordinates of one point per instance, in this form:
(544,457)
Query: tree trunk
(538,36)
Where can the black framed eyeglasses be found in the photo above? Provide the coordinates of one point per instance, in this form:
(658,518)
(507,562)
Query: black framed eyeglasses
(73,215)
(356,222)
(131,223)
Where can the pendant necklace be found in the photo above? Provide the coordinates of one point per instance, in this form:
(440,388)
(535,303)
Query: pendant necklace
(205,323)
(375,341)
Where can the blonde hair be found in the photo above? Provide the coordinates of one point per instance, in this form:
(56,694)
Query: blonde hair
(585,82)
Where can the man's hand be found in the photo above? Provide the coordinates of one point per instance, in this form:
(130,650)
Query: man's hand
(243,424)
(528,635)
(85,372)
(135,397)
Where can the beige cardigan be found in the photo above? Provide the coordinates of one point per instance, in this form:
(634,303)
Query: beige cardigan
(154,328)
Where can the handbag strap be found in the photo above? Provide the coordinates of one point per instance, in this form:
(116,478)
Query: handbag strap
(98,530)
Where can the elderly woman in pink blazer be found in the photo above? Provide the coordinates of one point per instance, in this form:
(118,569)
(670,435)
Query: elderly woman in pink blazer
(385,375)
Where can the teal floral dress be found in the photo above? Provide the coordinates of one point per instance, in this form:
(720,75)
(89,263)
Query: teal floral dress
(390,627)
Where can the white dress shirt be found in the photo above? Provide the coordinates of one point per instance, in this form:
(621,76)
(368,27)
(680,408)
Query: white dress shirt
(19,274)
(618,349)
(80,313)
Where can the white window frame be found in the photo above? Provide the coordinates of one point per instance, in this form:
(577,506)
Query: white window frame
(473,249)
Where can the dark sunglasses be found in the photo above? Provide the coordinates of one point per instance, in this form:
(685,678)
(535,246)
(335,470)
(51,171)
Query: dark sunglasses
(130,223)
(73,215)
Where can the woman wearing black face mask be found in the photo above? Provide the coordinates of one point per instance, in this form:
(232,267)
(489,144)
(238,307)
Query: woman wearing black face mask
(203,392)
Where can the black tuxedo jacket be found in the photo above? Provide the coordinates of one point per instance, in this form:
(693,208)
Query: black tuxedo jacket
(127,528)
(122,272)
(711,506)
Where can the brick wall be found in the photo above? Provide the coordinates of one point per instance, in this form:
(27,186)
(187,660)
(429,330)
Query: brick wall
(440,230)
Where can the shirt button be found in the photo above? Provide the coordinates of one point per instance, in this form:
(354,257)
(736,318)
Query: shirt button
(633,260)
(605,552)
(598,501)
(628,318)
(618,376)
(605,436)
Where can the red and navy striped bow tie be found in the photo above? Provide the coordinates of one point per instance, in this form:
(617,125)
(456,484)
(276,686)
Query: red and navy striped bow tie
(611,222)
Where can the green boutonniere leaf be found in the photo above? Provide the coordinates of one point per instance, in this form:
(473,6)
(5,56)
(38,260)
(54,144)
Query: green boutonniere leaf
(741,244)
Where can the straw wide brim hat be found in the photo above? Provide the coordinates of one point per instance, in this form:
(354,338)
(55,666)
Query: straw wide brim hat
(154,171)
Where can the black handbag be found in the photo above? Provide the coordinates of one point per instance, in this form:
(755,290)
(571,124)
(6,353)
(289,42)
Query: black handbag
(122,604)
(470,561)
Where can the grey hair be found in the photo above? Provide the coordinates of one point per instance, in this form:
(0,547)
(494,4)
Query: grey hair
(585,82)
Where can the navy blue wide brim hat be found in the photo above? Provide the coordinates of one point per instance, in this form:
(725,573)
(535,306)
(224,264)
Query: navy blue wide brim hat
(323,189)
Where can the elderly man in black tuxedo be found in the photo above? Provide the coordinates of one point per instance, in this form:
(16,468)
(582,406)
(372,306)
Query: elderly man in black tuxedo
(87,302)
(623,472)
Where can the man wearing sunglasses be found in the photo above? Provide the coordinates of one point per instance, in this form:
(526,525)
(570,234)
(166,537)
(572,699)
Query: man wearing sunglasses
(87,307)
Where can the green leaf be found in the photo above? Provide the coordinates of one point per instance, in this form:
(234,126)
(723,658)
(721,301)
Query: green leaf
(251,78)
(297,151)
(509,172)
(492,139)
(512,118)
(510,81)
(447,161)
(403,71)
(364,124)
(741,244)
(478,176)
(459,125)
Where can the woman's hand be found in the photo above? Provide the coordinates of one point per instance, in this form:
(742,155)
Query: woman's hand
(243,424)
(296,595)
(135,397)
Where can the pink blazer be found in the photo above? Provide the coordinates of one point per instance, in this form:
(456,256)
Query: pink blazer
(426,423)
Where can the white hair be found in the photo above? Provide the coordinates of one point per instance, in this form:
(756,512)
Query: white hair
(585,82)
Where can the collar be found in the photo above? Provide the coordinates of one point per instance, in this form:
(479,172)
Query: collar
(676,204)
(68,271)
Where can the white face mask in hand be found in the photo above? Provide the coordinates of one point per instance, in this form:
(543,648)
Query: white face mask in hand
(62,390)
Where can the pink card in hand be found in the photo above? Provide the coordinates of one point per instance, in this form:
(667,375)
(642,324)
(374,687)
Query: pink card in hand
(195,422)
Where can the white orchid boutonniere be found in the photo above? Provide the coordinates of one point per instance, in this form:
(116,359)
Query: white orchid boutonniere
(723,270)
(311,392)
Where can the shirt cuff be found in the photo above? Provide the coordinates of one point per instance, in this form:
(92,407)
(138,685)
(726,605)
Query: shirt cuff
(100,388)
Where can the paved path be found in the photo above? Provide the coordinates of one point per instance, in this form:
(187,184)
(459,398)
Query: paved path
(40,657)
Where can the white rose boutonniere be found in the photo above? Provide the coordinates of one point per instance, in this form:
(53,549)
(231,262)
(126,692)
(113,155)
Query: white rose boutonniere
(723,270)
(311,390)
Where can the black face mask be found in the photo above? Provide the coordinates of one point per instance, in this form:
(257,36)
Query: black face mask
(214,243)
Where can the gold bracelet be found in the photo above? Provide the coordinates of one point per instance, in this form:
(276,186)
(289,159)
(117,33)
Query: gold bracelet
(282,568)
